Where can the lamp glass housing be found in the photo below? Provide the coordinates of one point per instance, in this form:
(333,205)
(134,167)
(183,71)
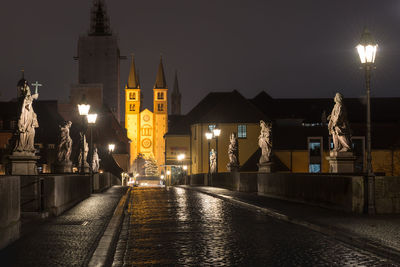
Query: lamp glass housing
(111,147)
(91,118)
(83,109)
(209,135)
(216,132)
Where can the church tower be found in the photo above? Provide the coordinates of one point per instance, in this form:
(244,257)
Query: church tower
(160,110)
(176,97)
(99,57)
(133,101)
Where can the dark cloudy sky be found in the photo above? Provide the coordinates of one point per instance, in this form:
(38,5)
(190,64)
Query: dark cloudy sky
(287,48)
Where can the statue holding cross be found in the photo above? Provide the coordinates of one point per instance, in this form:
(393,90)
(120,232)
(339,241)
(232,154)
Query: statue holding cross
(27,121)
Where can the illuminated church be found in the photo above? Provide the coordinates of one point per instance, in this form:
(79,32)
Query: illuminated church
(146,129)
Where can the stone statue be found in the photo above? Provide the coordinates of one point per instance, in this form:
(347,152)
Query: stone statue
(27,122)
(65,145)
(233,153)
(96,161)
(213,161)
(265,142)
(338,126)
(86,150)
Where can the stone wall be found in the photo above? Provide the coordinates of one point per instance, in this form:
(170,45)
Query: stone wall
(331,191)
(101,181)
(9,209)
(198,179)
(387,194)
(63,192)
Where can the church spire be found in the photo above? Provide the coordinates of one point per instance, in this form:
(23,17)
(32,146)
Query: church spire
(160,79)
(99,21)
(176,97)
(133,79)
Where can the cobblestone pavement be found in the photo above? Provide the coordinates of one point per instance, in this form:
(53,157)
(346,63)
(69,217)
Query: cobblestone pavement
(382,229)
(67,240)
(175,226)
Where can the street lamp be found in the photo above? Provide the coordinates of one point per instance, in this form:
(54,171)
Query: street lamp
(83,109)
(209,136)
(180,158)
(111,148)
(216,133)
(91,119)
(367,51)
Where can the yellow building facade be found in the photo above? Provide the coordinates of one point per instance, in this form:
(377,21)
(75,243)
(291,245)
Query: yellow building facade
(145,128)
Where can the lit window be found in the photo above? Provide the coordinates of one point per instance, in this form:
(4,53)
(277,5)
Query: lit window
(132,95)
(132,107)
(315,154)
(160,107)
(160,95)
(242,131)
(211,127)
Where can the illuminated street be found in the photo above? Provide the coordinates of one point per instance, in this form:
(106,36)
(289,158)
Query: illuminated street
(175,226)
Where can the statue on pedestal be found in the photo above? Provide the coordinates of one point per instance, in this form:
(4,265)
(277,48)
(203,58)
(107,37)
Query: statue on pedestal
(265,142)
(338,126)
(27,122)
(65,145)
(213,161)
(233,153)
(95,161)
(85,153)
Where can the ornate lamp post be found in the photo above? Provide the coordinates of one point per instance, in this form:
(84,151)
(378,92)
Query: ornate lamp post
(209,136)
(367,52)
(91,119)
(216,133)
(83,109)
(180,158)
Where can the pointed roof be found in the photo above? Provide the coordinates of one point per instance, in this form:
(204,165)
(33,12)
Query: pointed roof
(175,91)
(133,79)
(99,21)
(160,79)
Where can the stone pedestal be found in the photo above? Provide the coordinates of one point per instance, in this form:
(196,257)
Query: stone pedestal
(341,162)
(23,163)
(265,167)
(232,168)
(86,168)
(63,167)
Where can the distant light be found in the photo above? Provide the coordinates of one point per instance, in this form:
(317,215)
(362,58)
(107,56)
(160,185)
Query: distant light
(185,167)
(181,157)
(209,135)
(168,172)
(91,118)
(111,147)
(162,177)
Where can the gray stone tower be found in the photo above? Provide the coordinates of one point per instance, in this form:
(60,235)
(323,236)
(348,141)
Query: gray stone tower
(176,98)
(99,57)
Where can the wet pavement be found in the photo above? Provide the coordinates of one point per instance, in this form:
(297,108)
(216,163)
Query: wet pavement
(67,240)
(175,226)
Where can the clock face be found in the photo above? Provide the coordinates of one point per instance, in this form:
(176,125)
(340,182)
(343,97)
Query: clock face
(146,143)
(146,117)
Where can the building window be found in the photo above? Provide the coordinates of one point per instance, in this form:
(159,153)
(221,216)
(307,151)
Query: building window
(132,107)
(132,96)
(146,131)
(160,107)
(211,127)
(315,154)
(242,131)
(160,95)
(13,124)
(194,132)
(358,151)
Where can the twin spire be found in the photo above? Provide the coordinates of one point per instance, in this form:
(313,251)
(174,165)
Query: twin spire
(133,79)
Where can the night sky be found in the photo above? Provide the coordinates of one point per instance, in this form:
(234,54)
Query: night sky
(287,48)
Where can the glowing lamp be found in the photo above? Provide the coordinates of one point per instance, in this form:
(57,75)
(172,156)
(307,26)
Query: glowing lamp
(91,118)
(367,48)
